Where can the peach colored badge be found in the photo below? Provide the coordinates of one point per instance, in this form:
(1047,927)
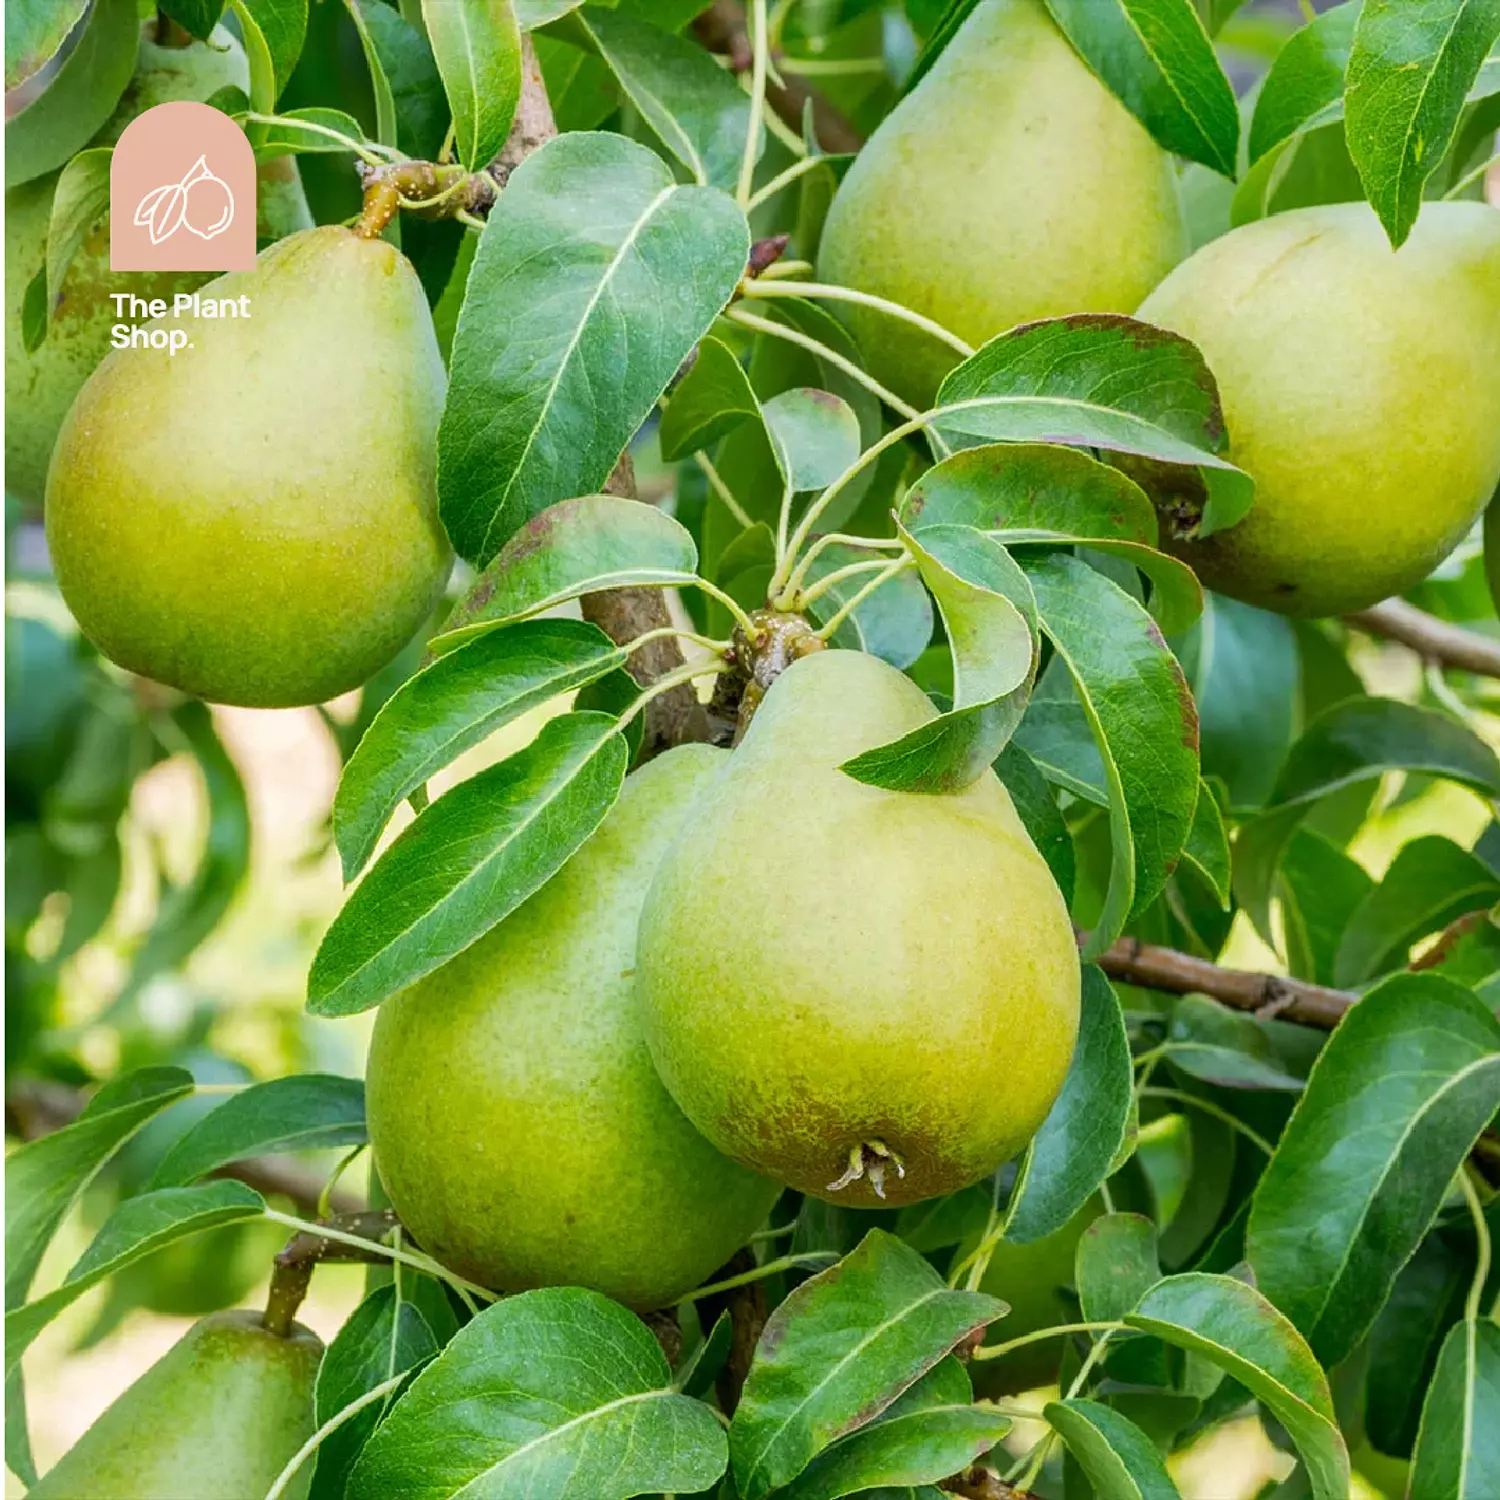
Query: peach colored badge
(182,192)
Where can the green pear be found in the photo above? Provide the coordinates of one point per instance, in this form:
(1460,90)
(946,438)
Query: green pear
(855,991)
(41,385)
(518,1125)
(216,1418)
(1009,185)
(1361,392)
(253,517)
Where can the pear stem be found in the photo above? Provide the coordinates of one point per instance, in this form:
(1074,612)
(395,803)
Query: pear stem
(332,1425)
(998,1351)
(781,180)
(804,597)
(1474,1304)
(761,41)
(721,489)
(825,291)
(879,581)
(771,1268)
(1177,1096)
(813,553)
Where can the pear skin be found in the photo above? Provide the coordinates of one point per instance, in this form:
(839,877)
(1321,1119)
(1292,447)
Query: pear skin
(253,519)
(518,1125)
(41,385)
(833,971)
(1361,388)
(1009,185)
(216,1418)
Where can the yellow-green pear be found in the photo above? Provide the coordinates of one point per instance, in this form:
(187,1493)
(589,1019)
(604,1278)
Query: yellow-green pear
(853,990)
(40,385)
(1361,387)
(518,1125)
(216,1418)
(252,518)
(1009,185)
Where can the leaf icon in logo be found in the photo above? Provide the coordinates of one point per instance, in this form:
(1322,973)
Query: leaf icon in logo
(161,210)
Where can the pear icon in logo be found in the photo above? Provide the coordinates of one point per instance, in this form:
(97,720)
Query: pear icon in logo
(200,202)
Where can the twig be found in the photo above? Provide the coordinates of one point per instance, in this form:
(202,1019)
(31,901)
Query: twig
(1434,640)
(1264,995)
(982,1484)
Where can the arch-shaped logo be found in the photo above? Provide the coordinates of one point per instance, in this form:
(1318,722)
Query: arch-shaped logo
(182,192)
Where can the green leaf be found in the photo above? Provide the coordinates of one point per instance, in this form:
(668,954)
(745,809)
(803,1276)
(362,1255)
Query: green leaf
(477,47)
(1115,1265)
(18,1458)
(79,201)
(1234,1327)
(1393,1105)
(990,616)
(1098,380)
(44,1178)
(512,1409)
(383,1336)
(814,436)
(1410,66)
(468,860)
(147,1222)
(303,1112)
(1207,846)
(411,109)
(1226,1048)
(575,547)
(1075,1148)
(274,31)
(1156,56)
(453,703)
(197,16)
(930,1432)
(712,399)
(700,1368)
(34,30)
(894,623)
(838,1351)
(1117,1458)
(1458,1447)
(1143,721)
(1431,882)
(1040,813)
(1353,741)
(79,98)
(692,105)
(1305,79)
(616,271)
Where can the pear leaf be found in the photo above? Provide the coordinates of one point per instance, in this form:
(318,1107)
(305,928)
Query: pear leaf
(273,31)
(477,47)
(44,1177)
(814,436)
(1207,846)
(79,201)
(615,271)
(712,399)
(453,703)
(468,860)
(1392,1107)
(1038,808)
(1117,1458)
(34,30)
(1411,64)
(894,623)
(147,1222)
(1075,1149)
(510,1409)
(692,105)
(1457,1456)
(383,1336)
(302,1112)
(411,110)
(1143,720)
(699,1369)
(1306,77)
(1234,1327)
(1157,57)
(1226,1048)
(806,1388)
(1115,1265)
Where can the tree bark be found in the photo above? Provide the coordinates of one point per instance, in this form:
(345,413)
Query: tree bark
(1434,640)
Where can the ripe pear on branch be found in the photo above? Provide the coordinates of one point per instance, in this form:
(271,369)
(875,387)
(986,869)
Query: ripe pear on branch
(1009,185)
(253,518)
(870,995)
(518,1124)
(1361,388)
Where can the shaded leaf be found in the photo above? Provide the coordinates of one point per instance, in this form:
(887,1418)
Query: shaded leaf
(696,1374)
(80,199)
(477,47)
(1457,1455)
(1207,846)
(615,271)
(467,861)
(1117,1457)
(453,703)
(1320,887)
(1305,79)
(712,399)
(1115,1265)
(303,1112)
(1392,1106)
(1224,1047)
(510,1410)
(411,109)
(894,623)
(274,31)
(1039,811)
(34,30)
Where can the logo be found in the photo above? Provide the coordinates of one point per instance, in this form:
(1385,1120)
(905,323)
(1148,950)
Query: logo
(182,192)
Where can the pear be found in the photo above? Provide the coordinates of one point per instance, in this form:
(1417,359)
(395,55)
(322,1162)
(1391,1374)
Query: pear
(216,1418)
(1361,388)
(41,385)
(862,993)
(1009,185)
(518,1125)
(253,517)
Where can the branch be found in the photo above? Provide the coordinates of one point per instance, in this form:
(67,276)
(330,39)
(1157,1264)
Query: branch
(1263,995)
(1434,640)
(35,1108)
(980,1483)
